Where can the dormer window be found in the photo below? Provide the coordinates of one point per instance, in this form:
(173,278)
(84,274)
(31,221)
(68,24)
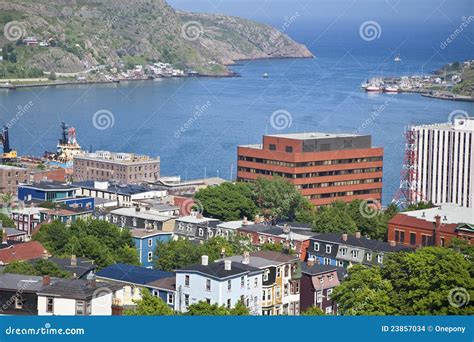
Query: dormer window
(328,248)
(355,253)
(201,232)
(380,258)
(316,246)
(343,251)
(134,222)
(369,256)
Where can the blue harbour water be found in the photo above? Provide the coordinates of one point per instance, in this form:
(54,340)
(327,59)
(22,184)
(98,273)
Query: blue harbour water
(195,124)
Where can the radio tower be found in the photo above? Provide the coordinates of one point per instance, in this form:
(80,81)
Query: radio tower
(408,191)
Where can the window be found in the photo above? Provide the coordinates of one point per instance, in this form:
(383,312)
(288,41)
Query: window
(186,280)
(242,282)
(413,239)
(49,304)
(341,263)
(150,256)
(321,280)
(330,277)
(229,285)
(426,240)
(287,271)
(328,248)
(319,297)
(80,306)
(286,290)
(380,258)
(170,298)
(369,256)
(278,272)
(272,147)
(208,300)
(150,242)
(18,302)
(288,149)
(328,310)
(316,246)
(201,232)
(343,251)
(208,284)
(186,300)
(229,303)
(442,242)
(277,291)
(327,261)
(328,293)
(399,236)
(255,282)
(265,274)
(355,253)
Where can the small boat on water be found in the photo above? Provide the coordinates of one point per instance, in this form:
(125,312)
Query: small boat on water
(373,88)
(393,89)
(265,75)
(397,58)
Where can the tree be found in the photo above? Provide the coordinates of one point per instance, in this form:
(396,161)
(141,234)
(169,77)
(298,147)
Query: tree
(100,241)
(240,309)
(52,76)
(149,305)
(176,254)
(419,206)
(429,281)
(277,198)
(334,219)
(227,201)
(313,311)
(20,267)
(203,308)
(6,221)
(39,268)
(365,292)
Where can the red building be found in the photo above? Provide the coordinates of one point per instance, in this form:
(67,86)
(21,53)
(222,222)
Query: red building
(296,238)
(324,167)
(432,227)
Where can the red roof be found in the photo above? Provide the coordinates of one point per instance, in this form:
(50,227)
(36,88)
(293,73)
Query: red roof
(404,220)
(21,251)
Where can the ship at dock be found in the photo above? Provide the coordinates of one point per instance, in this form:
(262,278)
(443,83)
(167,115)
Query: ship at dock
(67,148)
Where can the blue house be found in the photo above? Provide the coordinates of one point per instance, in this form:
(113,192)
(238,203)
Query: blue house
(146,241)
(46,191)
(136,278)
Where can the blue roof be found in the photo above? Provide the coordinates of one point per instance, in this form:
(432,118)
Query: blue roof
(132,274)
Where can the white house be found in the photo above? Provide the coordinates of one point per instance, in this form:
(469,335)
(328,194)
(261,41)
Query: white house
(221,283)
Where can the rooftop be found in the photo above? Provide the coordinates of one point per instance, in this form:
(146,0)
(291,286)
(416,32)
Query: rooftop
(117,157)
(313,135)
(77,288)
(144,233)
(9,167)
(146,214)
(121,189)
(317,268)
(459,124)
(132,274)
(28,283)
(449,213)
(217,269)
(82,266)
(168,283)
(362,242)
(50,186)
(21,251)
(195,219)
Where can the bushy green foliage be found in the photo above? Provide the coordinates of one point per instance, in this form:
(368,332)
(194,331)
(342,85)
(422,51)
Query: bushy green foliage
(39,268)
(203,308)
(313,311)
(430,281)
(100,241)
(149,305)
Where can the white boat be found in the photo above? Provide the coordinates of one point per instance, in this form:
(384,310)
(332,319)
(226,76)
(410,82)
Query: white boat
(397,59)
(265,75)
(391,89)
(373,88)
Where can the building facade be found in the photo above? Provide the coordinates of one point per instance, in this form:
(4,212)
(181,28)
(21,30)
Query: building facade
(432,227)
(146,241)
(224,283)
(11,177)
(323,167)
(126,168)
(345,250)
(443,163)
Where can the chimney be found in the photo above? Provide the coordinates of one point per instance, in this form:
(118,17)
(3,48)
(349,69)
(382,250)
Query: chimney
(246,259)
(45,255)
(357,235)
(392,243)
(310,262)
(437,226)
(73,260)
(245,221)
(46,280)
(91,280)
(204,260)
(4,237)
(344,237)
(227,265)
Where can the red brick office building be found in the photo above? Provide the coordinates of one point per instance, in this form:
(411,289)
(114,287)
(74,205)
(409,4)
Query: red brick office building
(323,167)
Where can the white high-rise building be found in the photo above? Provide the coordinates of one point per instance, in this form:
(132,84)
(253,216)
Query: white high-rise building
(442,167)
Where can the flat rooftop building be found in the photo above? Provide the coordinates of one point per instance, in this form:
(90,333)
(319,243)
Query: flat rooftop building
(10,177)
(324,167)
(125,168)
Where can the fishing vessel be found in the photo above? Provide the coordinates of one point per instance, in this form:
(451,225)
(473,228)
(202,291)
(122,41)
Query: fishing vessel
(67,147)
(265,75)
(373,88)
(391,89)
